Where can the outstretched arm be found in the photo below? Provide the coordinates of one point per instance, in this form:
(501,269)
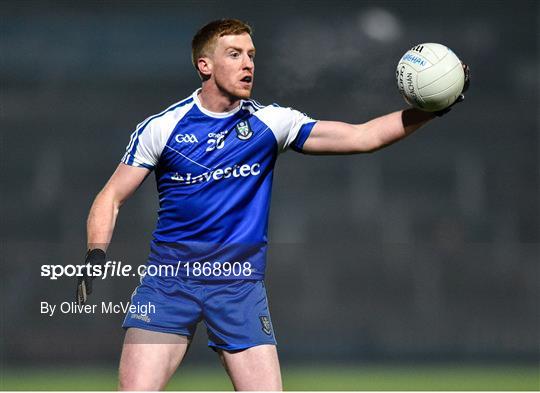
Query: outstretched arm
(102,217)
(333,137)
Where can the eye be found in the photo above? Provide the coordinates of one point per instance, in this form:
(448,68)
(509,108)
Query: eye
(234,54)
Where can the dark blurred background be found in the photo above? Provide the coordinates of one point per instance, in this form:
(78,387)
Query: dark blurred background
(426,250)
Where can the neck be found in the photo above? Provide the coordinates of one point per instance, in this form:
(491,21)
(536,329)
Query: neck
(215,100)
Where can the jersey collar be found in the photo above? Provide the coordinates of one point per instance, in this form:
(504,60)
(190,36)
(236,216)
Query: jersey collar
(207,112)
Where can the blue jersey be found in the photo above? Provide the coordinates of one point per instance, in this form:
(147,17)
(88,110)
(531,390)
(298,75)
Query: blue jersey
(214,179)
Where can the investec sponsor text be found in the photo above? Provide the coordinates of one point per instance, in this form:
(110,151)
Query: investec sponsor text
(231,172)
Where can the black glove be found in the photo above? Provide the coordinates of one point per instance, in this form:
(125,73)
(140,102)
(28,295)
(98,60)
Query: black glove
(84,283)
(461,97)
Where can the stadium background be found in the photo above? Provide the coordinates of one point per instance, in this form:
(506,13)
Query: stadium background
(414,267)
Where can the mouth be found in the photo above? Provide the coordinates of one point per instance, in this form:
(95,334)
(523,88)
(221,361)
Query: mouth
(247,79)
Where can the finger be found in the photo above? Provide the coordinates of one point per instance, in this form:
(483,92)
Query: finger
(81,293)
(467,73)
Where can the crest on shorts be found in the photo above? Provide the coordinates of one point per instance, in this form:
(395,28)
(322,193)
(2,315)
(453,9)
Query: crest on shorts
(243,131)
(266,325)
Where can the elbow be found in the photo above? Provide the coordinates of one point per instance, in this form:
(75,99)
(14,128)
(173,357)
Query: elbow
(375,146)
(366,140)
(371,138)
(372,145)
(369,141)
(107,198)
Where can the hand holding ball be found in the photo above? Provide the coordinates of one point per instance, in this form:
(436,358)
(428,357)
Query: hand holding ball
(431,77)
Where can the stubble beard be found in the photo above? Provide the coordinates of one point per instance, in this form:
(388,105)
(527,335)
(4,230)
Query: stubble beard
(235,93)
(245,94)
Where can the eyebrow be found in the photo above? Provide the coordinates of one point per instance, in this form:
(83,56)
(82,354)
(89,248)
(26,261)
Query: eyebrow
(240,49)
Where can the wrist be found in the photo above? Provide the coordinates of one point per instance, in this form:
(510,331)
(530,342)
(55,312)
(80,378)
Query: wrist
(95,256)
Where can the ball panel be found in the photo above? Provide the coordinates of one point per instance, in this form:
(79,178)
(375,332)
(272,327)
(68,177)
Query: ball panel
(442,99)
(416,61)
(427,51)
(447,64)
(431,51)
(442,82)
(407,84)
(438,50)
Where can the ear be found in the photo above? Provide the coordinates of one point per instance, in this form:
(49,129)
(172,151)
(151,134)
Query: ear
(205,66)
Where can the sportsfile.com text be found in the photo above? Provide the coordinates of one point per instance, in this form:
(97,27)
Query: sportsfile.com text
(119,269)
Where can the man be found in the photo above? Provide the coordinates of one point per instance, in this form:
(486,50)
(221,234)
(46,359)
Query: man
(213,154)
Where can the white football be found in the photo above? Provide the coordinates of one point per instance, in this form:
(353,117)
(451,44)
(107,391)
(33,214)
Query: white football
(430,77)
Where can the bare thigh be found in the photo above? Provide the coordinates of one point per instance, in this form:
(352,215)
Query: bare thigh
(255,368)
(149,359)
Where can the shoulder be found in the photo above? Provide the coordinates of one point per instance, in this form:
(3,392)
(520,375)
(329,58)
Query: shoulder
(285,123)
(168,117)
(266,113)
(277,117)
(252,106)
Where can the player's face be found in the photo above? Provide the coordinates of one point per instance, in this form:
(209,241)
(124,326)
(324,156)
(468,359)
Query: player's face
(233,65)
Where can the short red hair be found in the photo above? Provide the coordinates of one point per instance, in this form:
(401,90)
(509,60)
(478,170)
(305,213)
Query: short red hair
(204,41)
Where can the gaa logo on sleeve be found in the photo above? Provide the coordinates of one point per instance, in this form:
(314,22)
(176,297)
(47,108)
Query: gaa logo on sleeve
(243,131)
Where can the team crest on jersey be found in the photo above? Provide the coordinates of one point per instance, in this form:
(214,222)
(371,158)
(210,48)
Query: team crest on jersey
(266,325)
(243,131)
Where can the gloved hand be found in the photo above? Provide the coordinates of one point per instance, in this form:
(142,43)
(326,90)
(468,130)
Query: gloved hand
(84,283)
(461,97)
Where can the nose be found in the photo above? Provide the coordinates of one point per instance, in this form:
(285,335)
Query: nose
(248,63)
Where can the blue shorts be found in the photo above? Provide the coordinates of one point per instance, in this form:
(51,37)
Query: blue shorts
(235,312)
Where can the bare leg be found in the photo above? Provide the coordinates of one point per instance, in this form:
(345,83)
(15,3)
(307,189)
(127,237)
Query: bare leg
(255,368)
(149,359)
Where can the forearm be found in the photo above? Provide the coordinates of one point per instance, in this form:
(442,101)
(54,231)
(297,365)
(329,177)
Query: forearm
(391,128)
(334,137)
(101,221)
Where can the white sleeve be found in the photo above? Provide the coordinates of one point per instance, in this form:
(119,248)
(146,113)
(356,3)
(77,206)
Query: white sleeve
(290,127)
(150,137)
(145,146)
